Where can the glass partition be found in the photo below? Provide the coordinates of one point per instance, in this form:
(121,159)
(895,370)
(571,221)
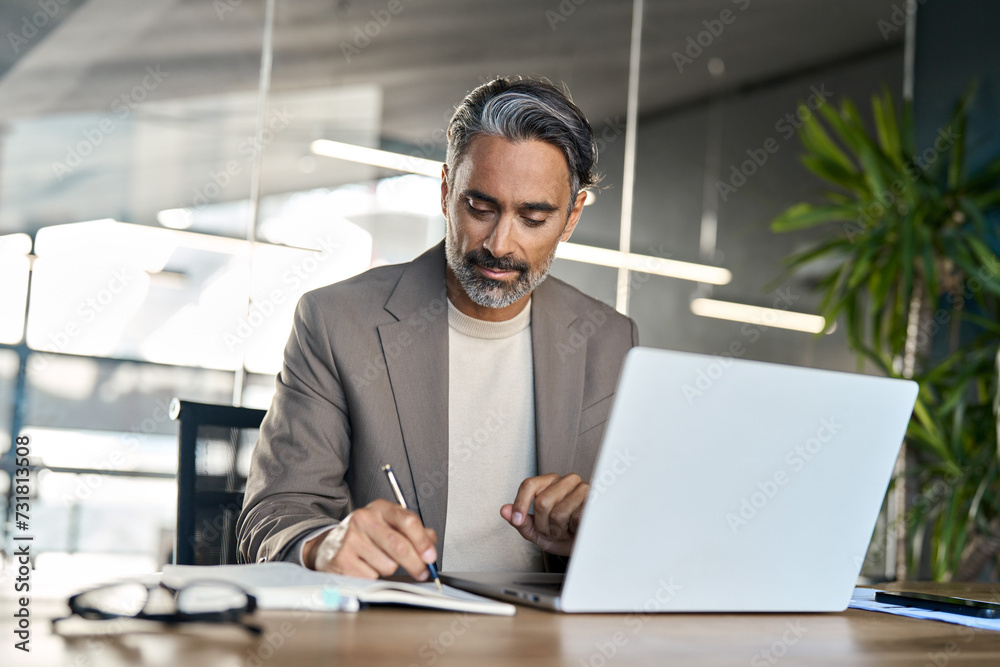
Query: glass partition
(117,118)
(717,158)
(373,82)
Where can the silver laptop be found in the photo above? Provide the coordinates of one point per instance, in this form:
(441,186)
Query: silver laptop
(726,485)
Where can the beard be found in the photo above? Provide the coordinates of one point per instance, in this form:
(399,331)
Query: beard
(488,292)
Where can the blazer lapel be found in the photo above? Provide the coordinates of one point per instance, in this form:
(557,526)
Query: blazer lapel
(416,355)
(559,359)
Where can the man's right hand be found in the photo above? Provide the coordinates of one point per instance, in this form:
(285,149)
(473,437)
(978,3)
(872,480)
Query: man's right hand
(374,541)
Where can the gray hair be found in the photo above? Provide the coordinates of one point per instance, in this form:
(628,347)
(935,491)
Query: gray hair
(523,109)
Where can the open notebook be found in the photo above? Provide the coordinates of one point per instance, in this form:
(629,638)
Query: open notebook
(291,586)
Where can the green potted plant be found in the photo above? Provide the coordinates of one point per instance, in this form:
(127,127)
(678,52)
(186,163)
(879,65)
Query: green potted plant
(913,271)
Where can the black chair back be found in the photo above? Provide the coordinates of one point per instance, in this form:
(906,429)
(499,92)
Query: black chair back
(215,443)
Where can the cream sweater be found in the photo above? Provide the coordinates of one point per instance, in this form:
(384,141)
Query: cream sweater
(491,441)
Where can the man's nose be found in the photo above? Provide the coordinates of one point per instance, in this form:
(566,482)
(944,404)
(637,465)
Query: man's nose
(500,242)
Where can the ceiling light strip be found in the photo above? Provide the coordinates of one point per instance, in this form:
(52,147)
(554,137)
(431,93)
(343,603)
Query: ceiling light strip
(376,157)
(659,266)
(768,317)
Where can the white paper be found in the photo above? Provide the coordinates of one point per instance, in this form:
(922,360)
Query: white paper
(289,586)
(275,585)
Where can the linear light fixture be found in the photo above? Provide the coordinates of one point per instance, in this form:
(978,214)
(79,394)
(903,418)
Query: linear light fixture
(660,266)
(376,157)
(389,160)
(768,317)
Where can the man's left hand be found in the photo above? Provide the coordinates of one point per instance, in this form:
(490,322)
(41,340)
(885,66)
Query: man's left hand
(559,504)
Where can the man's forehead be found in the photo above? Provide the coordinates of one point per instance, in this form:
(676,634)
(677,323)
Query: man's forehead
(492,162)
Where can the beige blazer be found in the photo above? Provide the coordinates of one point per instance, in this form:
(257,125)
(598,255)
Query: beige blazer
(365,383)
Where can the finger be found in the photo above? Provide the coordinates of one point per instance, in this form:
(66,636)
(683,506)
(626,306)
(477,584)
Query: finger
(576,517)
(347,562)
(548,498)
(529,531)
(396,546)
(526,494)
(379,561)
(526,528)
(361,547)
(507,512)
(561,522)
(409,524)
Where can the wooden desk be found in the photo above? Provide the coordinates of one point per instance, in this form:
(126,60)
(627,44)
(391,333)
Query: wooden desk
(401,638)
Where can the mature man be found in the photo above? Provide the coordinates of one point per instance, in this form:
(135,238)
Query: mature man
(484,385)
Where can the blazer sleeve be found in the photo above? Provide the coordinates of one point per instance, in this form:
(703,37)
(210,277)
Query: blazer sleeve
(296,482)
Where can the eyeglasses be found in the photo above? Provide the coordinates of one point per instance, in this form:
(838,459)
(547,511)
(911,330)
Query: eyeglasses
(198,601)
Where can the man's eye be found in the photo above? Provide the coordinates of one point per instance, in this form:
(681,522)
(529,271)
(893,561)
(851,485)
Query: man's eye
(534,222)
(478,211)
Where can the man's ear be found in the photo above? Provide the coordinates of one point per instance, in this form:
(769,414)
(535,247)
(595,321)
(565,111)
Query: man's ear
(574,216)
(444,191)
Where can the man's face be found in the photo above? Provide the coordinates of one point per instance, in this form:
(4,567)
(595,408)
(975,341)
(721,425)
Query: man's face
(506,212)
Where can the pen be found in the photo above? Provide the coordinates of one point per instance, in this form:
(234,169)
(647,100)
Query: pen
(402,503)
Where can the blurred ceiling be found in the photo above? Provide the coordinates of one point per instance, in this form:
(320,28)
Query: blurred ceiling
(196,63)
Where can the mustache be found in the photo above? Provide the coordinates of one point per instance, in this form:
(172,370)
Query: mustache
(487,260)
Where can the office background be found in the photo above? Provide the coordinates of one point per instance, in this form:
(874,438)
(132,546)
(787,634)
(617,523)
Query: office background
(132,175)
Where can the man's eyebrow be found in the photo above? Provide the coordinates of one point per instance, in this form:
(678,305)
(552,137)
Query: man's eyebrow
(481,196)
(541,206)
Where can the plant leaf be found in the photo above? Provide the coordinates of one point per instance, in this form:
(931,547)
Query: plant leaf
(802,216)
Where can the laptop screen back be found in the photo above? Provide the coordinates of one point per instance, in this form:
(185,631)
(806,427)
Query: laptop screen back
(732,485)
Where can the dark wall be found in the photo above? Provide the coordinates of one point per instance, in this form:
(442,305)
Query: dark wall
(670,177)
(956,41)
